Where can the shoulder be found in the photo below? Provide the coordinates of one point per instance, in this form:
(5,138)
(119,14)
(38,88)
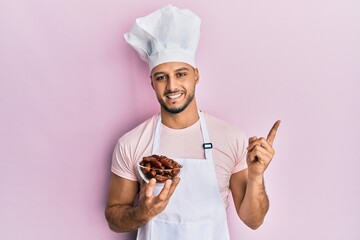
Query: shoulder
(143,130)
(218,125)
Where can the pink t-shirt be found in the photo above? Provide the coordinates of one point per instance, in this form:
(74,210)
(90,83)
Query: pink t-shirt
(229,148)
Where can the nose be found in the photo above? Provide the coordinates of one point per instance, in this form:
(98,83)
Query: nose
(171,84)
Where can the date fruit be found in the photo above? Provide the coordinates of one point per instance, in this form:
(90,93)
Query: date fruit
(161,168)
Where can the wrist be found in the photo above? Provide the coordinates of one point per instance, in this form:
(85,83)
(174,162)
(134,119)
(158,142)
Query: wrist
(141,215)
(256,178)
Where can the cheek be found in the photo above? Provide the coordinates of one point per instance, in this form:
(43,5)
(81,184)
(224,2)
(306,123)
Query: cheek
(157,89)
(191,86)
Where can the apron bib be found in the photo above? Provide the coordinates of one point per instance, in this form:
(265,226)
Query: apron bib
(195,210)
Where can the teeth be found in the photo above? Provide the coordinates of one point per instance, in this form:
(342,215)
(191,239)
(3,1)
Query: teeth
(174,96)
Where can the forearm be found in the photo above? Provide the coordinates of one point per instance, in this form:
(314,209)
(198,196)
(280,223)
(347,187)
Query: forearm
(124,218)
(255,203)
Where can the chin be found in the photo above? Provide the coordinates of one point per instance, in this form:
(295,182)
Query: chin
(174,110)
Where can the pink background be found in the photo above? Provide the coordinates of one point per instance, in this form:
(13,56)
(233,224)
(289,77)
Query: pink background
(70,86)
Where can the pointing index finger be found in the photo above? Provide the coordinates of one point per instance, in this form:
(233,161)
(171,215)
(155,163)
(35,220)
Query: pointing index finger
(271,136)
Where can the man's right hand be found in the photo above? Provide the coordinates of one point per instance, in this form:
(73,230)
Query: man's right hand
(150,205)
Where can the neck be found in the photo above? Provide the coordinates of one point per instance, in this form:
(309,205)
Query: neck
(184,119)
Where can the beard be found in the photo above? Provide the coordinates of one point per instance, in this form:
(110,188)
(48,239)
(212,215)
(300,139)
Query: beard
(168,109)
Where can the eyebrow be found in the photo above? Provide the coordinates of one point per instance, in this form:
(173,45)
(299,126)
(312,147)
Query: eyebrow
(182,69)
(177,70)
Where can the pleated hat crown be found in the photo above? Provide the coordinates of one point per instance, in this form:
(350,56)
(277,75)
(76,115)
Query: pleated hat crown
(169,34)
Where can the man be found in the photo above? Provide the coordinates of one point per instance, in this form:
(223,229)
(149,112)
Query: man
(213,153)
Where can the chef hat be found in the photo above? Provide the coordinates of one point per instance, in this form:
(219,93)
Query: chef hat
(169,34)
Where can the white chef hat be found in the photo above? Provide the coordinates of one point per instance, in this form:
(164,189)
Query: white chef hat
(169,34)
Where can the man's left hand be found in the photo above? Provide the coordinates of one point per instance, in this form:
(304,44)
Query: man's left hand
(261,152)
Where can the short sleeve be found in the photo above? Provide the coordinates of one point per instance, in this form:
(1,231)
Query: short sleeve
(121,164)
(240,163)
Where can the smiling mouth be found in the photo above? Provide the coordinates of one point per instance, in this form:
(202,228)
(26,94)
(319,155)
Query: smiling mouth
(173,95)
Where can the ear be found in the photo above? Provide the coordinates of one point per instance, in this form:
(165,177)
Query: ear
(151,81)
(197,76)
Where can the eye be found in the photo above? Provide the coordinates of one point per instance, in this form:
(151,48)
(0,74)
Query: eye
(161,77)
(181,74)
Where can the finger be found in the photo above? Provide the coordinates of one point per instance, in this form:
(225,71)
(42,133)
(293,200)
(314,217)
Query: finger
(149,188)
(168,192)
(252,139)
(259,158)
(261,142)
(165,190)
(272,133)
(174,184)
(259,154)
(254,143)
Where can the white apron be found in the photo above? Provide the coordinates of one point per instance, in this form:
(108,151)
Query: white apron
(195,210)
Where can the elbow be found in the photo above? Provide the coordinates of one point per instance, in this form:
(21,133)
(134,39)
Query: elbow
(112,227)
(252,219)
(253,225)
(115,228)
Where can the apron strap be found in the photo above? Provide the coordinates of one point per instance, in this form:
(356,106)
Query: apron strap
(207,144)
(156,144)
